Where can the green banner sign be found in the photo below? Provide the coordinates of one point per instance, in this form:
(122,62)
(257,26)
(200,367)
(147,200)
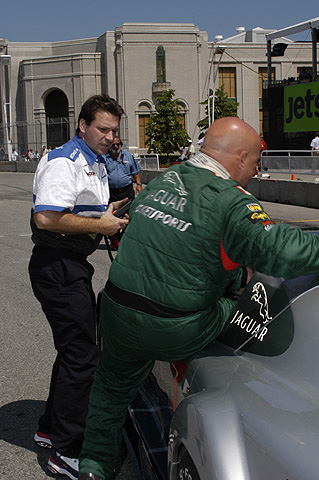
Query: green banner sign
(301,108)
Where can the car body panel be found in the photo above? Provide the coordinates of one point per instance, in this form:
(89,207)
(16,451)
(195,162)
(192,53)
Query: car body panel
(247,407)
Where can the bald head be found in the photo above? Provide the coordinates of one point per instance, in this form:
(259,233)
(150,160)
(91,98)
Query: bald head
(235,145)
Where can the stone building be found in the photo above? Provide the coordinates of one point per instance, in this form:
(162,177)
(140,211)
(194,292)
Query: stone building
(243,67)
(43,85)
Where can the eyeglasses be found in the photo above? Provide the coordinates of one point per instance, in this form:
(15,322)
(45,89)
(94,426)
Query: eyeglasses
(115,145)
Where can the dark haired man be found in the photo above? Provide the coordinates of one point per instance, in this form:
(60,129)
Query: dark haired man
(121,168)
(70,214)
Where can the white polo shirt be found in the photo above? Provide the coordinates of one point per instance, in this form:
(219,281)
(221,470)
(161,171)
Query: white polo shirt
(71,179)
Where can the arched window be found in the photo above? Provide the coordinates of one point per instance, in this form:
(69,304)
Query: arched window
(57,118)
(183,110)
(144,111)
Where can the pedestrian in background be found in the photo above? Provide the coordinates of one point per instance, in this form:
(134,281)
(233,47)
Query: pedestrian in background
(14,155)
(190,150)
(314,152)
(31,155)
(315,144)
(122,169)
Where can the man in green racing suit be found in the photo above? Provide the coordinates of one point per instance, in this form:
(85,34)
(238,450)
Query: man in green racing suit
(192,232)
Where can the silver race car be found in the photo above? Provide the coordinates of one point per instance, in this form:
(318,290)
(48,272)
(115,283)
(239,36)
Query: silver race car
(246,408)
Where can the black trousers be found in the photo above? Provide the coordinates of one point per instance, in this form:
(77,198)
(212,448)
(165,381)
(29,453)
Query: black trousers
(61,281)
(120,193)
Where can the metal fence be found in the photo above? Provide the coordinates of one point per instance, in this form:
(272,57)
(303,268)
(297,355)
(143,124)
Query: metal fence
(288,161)
(52,132)
(284,161)
(148,162)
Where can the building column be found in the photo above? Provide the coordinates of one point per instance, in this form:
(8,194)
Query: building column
(40,128)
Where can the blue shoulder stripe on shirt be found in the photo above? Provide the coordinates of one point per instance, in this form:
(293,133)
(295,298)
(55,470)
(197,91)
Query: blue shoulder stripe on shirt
(68,150)
(55,208)
(89,208)
(75,210)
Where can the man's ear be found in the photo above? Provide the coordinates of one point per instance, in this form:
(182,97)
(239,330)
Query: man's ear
(82,125)
(242,158)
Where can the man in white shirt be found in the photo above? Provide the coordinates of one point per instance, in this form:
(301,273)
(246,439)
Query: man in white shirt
(190,150)
(14,155)
(315,144)
(70,214)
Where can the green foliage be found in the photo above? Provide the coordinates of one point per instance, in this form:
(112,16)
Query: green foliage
(165,132)
(224,107)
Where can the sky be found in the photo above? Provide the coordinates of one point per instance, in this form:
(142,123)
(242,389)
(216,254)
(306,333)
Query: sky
(46,21)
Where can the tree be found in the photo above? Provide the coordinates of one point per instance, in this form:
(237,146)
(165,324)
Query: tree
(224,107)
(165,132)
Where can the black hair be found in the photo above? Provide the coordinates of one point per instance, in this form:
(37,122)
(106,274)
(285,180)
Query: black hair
(121,143)
(95,103)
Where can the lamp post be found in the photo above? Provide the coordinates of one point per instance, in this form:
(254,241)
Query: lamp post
(217,49)
(5,80)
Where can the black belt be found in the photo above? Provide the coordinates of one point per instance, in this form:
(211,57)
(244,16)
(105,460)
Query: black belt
(59,251)
(122,189)
(137,302)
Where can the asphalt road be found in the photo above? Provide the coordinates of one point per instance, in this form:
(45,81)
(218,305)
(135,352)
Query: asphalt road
(27,351)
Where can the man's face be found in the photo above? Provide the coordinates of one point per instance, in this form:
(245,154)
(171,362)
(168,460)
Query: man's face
(115,148)
(99,135)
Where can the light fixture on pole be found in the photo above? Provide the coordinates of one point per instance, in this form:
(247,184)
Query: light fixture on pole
(5,82)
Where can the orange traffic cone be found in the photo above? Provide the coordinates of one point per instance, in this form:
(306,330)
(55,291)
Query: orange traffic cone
(293,177)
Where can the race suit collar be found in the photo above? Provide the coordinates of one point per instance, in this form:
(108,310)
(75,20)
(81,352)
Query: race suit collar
(90,156)
(202,160)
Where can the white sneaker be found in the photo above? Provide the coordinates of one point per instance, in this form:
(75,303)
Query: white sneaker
(66,466)
(42,440)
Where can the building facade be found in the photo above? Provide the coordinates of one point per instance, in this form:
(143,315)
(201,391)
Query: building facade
(243,68)
(43,85)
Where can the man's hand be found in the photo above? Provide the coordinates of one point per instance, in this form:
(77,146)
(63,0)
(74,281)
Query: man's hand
(138,181)
(68,223)
(119,203)
(110,224)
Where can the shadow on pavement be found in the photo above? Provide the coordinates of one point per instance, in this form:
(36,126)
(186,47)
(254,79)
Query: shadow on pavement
(18,423)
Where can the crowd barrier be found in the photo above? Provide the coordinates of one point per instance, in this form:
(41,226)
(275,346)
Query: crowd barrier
(289,161)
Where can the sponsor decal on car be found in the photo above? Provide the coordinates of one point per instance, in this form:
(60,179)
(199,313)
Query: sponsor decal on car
(256,328)
(260,297)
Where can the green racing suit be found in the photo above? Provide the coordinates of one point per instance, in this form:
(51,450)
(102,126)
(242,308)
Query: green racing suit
(170,286)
